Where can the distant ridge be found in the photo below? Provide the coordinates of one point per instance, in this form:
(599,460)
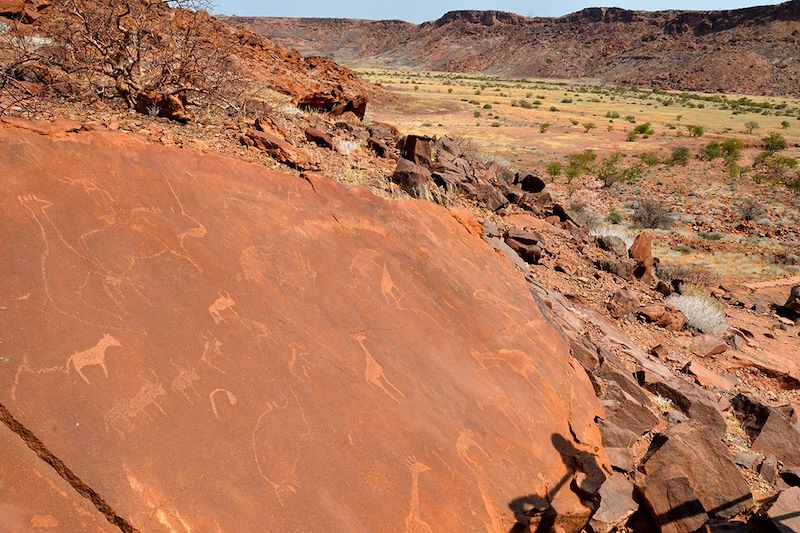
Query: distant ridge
(751,50)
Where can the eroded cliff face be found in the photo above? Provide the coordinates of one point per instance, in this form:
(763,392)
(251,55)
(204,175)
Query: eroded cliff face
(744,50)
(203,344)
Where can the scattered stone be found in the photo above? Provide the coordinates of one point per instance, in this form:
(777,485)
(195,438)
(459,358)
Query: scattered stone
(279,149)
(491,197)
(769,470)
(679,487)
(418,149)
(526,243)
(748,459)
(708,345)
(172,107)
(320,138)
(642,252)
(793,303)
(622,268)
(507,251)
(770,431)
(622,303)
(664,316)
(616,504)
(621,458)
(708,379)
(785,513)
(412,178)
(552,219)
(530,183)
(660,351)
(335,102)
(613,244)
(664,288)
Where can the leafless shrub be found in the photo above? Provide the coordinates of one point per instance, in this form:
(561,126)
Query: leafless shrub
(653,214)
(157,56)
(695,275)
(750,210)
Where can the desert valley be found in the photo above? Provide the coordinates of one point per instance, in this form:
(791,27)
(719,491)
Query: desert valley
(484,273)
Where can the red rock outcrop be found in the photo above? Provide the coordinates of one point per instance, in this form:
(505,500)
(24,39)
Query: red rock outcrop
(207,345)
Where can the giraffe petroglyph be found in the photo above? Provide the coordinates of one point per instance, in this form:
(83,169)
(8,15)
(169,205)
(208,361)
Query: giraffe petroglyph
(374,373)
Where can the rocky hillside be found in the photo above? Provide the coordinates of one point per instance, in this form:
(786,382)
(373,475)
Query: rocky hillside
(752,50)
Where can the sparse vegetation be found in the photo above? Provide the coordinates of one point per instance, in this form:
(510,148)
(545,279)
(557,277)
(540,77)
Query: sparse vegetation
(652,214)
(554,169)
(702,312)
(680,157)
(750,126)
(543,127)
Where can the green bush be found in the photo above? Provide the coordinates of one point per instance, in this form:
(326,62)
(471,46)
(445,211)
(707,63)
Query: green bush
(696,131)
(612,114)
(615,217)
(750,125)
(554,169)
(785,124)
(774,142)
(711,151)
(680,157)
(610,172)
(476,114)
(644,129)
(487,106)
(588,126)
(649,159)
(732,150)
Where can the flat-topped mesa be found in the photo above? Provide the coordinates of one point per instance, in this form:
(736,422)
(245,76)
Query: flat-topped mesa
(485,18)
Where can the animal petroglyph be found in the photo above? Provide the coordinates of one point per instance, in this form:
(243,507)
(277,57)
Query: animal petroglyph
(369,266)
(287,427)
(184,381)
(94,356)
(517,361)
(224,303)
(228,394)
(389,289)
(122,414)
(374,373)
(298,364)
(211,350)
(25,368)
(414,522)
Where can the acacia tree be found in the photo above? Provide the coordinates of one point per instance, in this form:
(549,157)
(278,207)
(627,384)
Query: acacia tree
(157,56)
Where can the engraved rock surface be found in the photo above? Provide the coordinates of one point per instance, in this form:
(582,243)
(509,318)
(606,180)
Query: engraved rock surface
(210,345)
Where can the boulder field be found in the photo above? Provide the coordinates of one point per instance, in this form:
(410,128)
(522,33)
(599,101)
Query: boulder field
(190,342)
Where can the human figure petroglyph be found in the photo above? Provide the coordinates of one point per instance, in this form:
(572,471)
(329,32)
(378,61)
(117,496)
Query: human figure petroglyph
(94,356)
(228,394)
(211,350)
(184,380)
(414,522)
(224,302)
(278,467)
(374,373)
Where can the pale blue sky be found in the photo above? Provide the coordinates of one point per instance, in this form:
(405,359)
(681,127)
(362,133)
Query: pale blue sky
(422,10)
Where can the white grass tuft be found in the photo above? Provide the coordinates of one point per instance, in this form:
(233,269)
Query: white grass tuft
(348,147)
(611,231)
(701,312)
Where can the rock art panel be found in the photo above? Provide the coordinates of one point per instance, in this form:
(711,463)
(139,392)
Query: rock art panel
(197,349)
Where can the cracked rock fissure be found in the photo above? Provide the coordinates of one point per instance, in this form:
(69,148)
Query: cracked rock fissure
(63,470)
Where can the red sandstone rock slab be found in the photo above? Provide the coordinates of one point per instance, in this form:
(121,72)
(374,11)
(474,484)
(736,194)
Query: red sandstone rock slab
(34,498)
(213,346)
